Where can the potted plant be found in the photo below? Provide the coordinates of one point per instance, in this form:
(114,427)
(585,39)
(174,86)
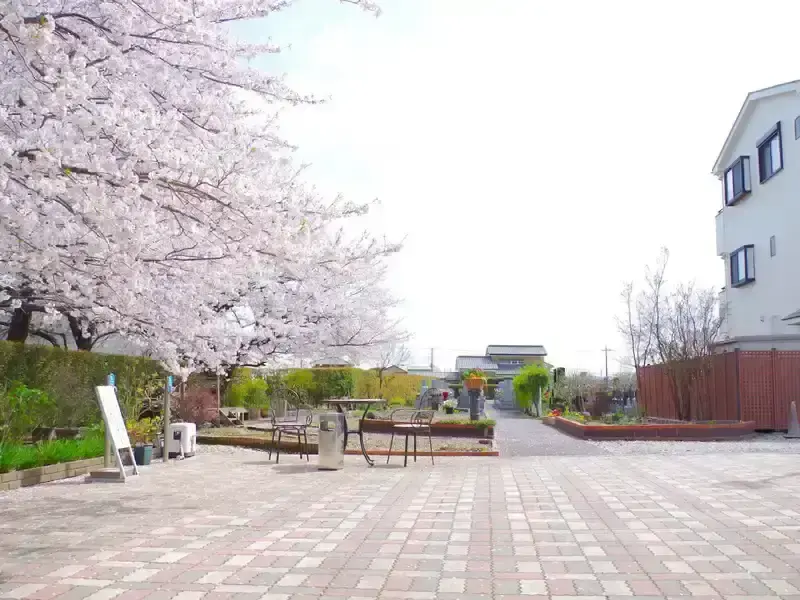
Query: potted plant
(449,406)
(142,434)
(474,379)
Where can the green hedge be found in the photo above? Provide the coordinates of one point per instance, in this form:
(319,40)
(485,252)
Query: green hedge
(322,383)
(69,377)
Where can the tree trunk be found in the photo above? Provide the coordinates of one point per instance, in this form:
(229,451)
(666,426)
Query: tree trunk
(82,342)
(20,326)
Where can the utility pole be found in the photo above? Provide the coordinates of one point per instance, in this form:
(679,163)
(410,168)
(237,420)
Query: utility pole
(606,350)
(431,360)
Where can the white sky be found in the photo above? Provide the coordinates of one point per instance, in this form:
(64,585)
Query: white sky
(534,155)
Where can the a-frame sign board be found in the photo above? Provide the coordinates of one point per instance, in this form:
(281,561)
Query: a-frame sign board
(115,426)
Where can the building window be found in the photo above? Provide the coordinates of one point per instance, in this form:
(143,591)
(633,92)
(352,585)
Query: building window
(773,249)
(737,180)
(797,128)
(743,268)
(770,154)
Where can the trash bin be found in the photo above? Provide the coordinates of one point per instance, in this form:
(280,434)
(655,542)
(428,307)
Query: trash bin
(331,441)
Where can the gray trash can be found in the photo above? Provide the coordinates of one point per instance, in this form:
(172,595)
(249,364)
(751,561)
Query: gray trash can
(331,441)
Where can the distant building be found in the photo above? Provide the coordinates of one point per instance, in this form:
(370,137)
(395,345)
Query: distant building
(395,370)
(333,363)
(500,362)
(426,372)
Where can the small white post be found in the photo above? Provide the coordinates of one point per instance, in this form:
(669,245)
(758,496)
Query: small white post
(219,401)
(111,380)
(167,390)
(540,401)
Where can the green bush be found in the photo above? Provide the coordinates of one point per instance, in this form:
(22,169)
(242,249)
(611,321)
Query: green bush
(300,381)
(317,385)
(15,457)
(69,378)
(527,384)
(22,409)
(250,393)
(332,383)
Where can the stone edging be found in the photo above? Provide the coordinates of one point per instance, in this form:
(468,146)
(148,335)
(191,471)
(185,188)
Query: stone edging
(699,432)
(27,477)
(260,444)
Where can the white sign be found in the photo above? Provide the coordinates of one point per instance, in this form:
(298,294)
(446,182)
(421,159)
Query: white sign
(115,424)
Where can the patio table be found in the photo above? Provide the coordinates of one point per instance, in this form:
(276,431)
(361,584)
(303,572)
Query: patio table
(340,404)
(237,412)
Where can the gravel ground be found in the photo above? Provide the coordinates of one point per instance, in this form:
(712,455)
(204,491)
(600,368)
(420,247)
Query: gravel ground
(764,442)
(374,441)
(520,435)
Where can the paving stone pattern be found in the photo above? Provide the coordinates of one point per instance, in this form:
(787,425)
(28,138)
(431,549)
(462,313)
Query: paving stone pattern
(228,524)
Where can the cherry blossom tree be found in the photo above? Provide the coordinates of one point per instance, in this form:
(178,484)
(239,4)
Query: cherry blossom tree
(142,193)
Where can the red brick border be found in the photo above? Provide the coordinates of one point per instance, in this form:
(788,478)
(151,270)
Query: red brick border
(678,431)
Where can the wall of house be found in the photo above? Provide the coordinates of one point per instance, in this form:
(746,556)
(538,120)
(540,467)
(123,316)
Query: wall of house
(772,208)
(526,360)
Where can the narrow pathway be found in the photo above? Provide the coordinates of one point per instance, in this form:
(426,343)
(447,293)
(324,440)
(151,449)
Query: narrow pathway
(519,435)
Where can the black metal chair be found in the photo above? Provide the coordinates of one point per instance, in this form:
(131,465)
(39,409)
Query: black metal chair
(296,427)
(418,424)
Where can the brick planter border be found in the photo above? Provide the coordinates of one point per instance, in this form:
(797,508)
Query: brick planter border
(700,432)
(437,429)
(27,477)
(293,447)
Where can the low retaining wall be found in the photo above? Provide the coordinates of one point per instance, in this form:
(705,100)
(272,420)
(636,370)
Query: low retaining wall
(294,447)
(437,429)
(672,431)
(27,477)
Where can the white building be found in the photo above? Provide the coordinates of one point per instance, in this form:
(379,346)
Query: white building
(758,227)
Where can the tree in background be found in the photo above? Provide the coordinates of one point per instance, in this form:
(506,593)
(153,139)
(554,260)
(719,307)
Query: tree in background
(575,387)
(676,326)
(391,355)
(531,379)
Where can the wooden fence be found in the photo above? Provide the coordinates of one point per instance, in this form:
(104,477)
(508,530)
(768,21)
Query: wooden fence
(741,385)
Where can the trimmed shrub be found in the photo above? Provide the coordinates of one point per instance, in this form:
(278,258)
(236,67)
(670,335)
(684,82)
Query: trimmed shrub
(332,383)
(69,377)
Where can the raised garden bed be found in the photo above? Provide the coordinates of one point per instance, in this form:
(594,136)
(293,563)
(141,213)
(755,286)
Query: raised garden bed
(262,443)
(466,429)
(701,431)
(27,477)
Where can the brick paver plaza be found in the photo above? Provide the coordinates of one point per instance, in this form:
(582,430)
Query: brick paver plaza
(229,524)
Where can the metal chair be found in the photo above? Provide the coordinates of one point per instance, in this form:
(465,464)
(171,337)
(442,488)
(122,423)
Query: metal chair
(298,426)
(418,424)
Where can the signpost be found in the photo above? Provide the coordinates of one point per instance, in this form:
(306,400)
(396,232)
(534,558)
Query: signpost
(115,426)
(111,381)
(167,392)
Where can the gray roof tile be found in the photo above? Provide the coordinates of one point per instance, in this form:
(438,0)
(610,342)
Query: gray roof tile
(475,362)
(516,351)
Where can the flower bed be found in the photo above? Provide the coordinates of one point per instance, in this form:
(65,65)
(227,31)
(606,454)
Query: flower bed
(708,431)
(19,457)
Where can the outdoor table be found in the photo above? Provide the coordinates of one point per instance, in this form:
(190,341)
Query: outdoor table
(237,412)
(340,404)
